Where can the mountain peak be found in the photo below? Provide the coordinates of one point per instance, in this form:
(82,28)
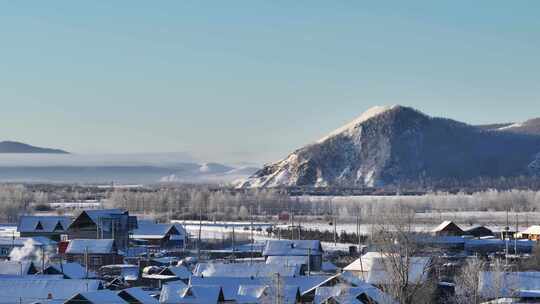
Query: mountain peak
(369,114)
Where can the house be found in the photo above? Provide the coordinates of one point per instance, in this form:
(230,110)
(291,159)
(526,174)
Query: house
(19,268)
(372,268)
(306,285)
(532,233)
(245,269)
(343,294)
(179,272)
(166,236)
(113,224)
(180,293)
(96,297)
(494,285)
(310,249)
(136,295)
(29,290)
(69,271)
(128,273)
(52,227)
(478,231)
(447,228)
(96,253)
(7,244)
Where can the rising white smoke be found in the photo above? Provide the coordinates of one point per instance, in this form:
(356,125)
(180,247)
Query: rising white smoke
(30,251)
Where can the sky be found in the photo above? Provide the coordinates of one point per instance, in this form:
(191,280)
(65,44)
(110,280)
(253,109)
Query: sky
(250,81)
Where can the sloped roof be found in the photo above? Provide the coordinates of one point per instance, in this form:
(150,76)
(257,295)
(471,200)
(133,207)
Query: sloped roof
(100,246)
(534,229)
(230,285)
(100,297)
(444,225)
(139,294)
(347,294)
(95,214)
(15,267)
(30,290)
(28,223)
(180,272)
(292,247)
(287,260)
(375,271)
(178,292)
(245,269)
(151,230)
(505,284)
(71,270)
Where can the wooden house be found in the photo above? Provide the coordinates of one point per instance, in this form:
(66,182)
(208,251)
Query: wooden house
(113,224)
(93,253)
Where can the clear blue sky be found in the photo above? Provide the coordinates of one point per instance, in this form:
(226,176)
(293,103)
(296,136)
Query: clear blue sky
(253,80)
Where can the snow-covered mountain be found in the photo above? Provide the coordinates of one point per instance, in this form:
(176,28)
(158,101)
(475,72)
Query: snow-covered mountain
(395,144)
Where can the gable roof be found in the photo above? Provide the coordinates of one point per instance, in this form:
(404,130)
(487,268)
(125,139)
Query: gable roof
(351,295)
(95,214)
(28,290)
(180,272)
(245,269)
(375,271)
(446,225)
(139,294)
(92,246)
(99,297)
(69,270)
(230,284)
(293,247)
(151,230)
(177,292)
(29,223)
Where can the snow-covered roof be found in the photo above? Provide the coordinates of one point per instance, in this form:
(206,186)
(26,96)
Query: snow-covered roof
(374,268)
(95,214)
(139,294)
(351,295)
(20,241)
(178,292)
(293,247)
(151,230)
(180,272)
(127,272)
(15,267)
(507,284)
(70,270)
(286,260)
(534,229)
(98,297)
(29,290)
(442,226)
(243,270)
(230,284)
(33,223)
(92,246)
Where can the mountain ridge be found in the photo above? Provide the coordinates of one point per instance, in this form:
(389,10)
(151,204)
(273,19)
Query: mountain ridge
(393,144)
(9,146)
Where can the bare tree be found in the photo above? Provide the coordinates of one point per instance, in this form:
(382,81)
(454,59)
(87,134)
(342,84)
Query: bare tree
(408,277)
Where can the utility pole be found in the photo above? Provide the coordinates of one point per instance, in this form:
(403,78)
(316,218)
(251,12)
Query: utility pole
(335,231)
(200,231)
(251,230)
(86,261)
(309,262)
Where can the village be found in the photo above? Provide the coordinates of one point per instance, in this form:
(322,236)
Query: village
(109,256)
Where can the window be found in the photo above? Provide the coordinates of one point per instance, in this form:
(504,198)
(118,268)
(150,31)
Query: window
(39,226)
(96,261)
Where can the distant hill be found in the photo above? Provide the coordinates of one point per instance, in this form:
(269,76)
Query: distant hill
(396,144)
(18,147)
